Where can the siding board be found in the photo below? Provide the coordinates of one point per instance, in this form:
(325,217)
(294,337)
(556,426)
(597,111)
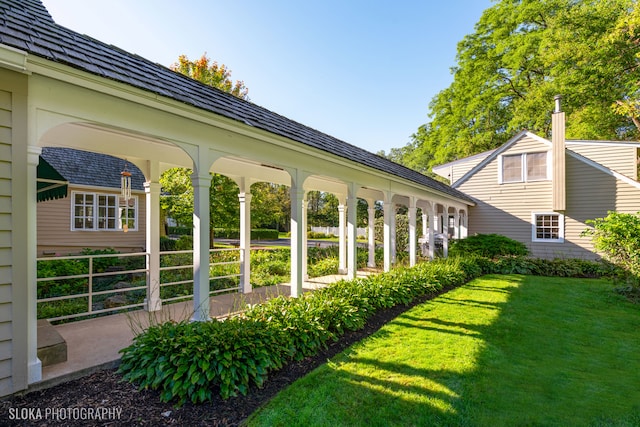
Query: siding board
(618,158)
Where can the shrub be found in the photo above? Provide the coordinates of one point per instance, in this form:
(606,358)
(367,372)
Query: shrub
(185,360)
(487,245)
(257,234)
(180,230)
(167,244)
(617,237)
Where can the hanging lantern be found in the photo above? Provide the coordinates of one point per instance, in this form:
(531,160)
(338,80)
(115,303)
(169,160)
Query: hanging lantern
(125,184)
(125,191)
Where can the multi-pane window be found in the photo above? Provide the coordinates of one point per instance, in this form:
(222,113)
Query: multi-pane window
(93,211)
(524,167)
(548,227)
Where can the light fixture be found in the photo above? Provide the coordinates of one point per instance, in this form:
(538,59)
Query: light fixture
(125,183)
(125,191)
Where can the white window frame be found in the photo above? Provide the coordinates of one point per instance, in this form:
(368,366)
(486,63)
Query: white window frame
(523,168)
(95,211)
(534,217)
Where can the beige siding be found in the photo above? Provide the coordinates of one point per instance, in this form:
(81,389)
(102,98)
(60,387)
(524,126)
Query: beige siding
(618,158)
(56,237)
(6,386)
(456,170)
(507,208)
(592,193)
(13,253)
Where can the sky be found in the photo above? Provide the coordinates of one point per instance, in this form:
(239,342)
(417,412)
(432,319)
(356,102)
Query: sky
(363,71)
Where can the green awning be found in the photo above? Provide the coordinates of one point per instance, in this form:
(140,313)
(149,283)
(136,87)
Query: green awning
(51,185)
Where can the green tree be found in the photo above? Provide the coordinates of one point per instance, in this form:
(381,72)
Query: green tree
(521,54)
(177,199)
(212,74)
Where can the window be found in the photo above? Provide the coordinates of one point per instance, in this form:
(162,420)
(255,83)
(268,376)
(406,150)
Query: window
(524,167)
(512,168)
(100,212)
(547,227)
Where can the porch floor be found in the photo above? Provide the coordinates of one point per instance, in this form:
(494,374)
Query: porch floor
(94,344)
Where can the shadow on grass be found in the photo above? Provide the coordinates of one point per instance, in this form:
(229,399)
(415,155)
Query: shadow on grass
(495,352)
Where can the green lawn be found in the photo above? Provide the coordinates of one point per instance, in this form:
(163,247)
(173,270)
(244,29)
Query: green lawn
(499,351)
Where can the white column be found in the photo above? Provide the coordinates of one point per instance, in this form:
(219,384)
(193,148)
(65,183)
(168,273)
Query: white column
(425,222)
(392,234)
(297,231)
(388,213)
(201,232)
(445,231)
(342,256)
(352,211)
(456,224)
(463,225)
(412,231)
(425,219)
(245,240)
(305,244)
(432,230)
(152,197)
(372,234)
(34,365)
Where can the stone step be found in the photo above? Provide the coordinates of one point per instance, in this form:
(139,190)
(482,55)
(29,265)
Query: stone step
(52,348)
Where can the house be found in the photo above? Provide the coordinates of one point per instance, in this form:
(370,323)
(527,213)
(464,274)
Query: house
(525,191)
(92,215)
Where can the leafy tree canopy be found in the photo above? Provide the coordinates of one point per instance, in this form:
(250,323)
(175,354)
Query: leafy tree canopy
(522,53)
(212,74)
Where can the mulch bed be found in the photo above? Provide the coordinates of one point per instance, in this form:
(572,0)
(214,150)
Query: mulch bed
(105,390)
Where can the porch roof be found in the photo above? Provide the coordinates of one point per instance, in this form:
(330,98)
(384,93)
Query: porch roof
(27,25)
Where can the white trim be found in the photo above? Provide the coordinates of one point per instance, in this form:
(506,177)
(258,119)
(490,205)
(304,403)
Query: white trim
(605,143)
(560,238)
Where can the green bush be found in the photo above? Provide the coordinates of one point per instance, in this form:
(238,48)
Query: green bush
(319,235)
(188,361)
(180,230)
(617,238)
(487,245)
(184,243)
(167,244)
(256,234)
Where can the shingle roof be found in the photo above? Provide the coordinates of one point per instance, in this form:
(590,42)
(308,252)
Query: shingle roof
(88,168)
(27,25)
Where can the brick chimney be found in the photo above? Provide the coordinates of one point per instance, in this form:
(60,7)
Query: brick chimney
(558,157)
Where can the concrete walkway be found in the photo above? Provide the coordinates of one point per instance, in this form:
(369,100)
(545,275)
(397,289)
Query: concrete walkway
(94,344)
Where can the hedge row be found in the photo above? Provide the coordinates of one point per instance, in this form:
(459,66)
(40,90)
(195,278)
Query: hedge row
(256,234)
(191,361)
(227,233)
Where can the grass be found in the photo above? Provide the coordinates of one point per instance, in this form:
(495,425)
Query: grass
(499,351)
